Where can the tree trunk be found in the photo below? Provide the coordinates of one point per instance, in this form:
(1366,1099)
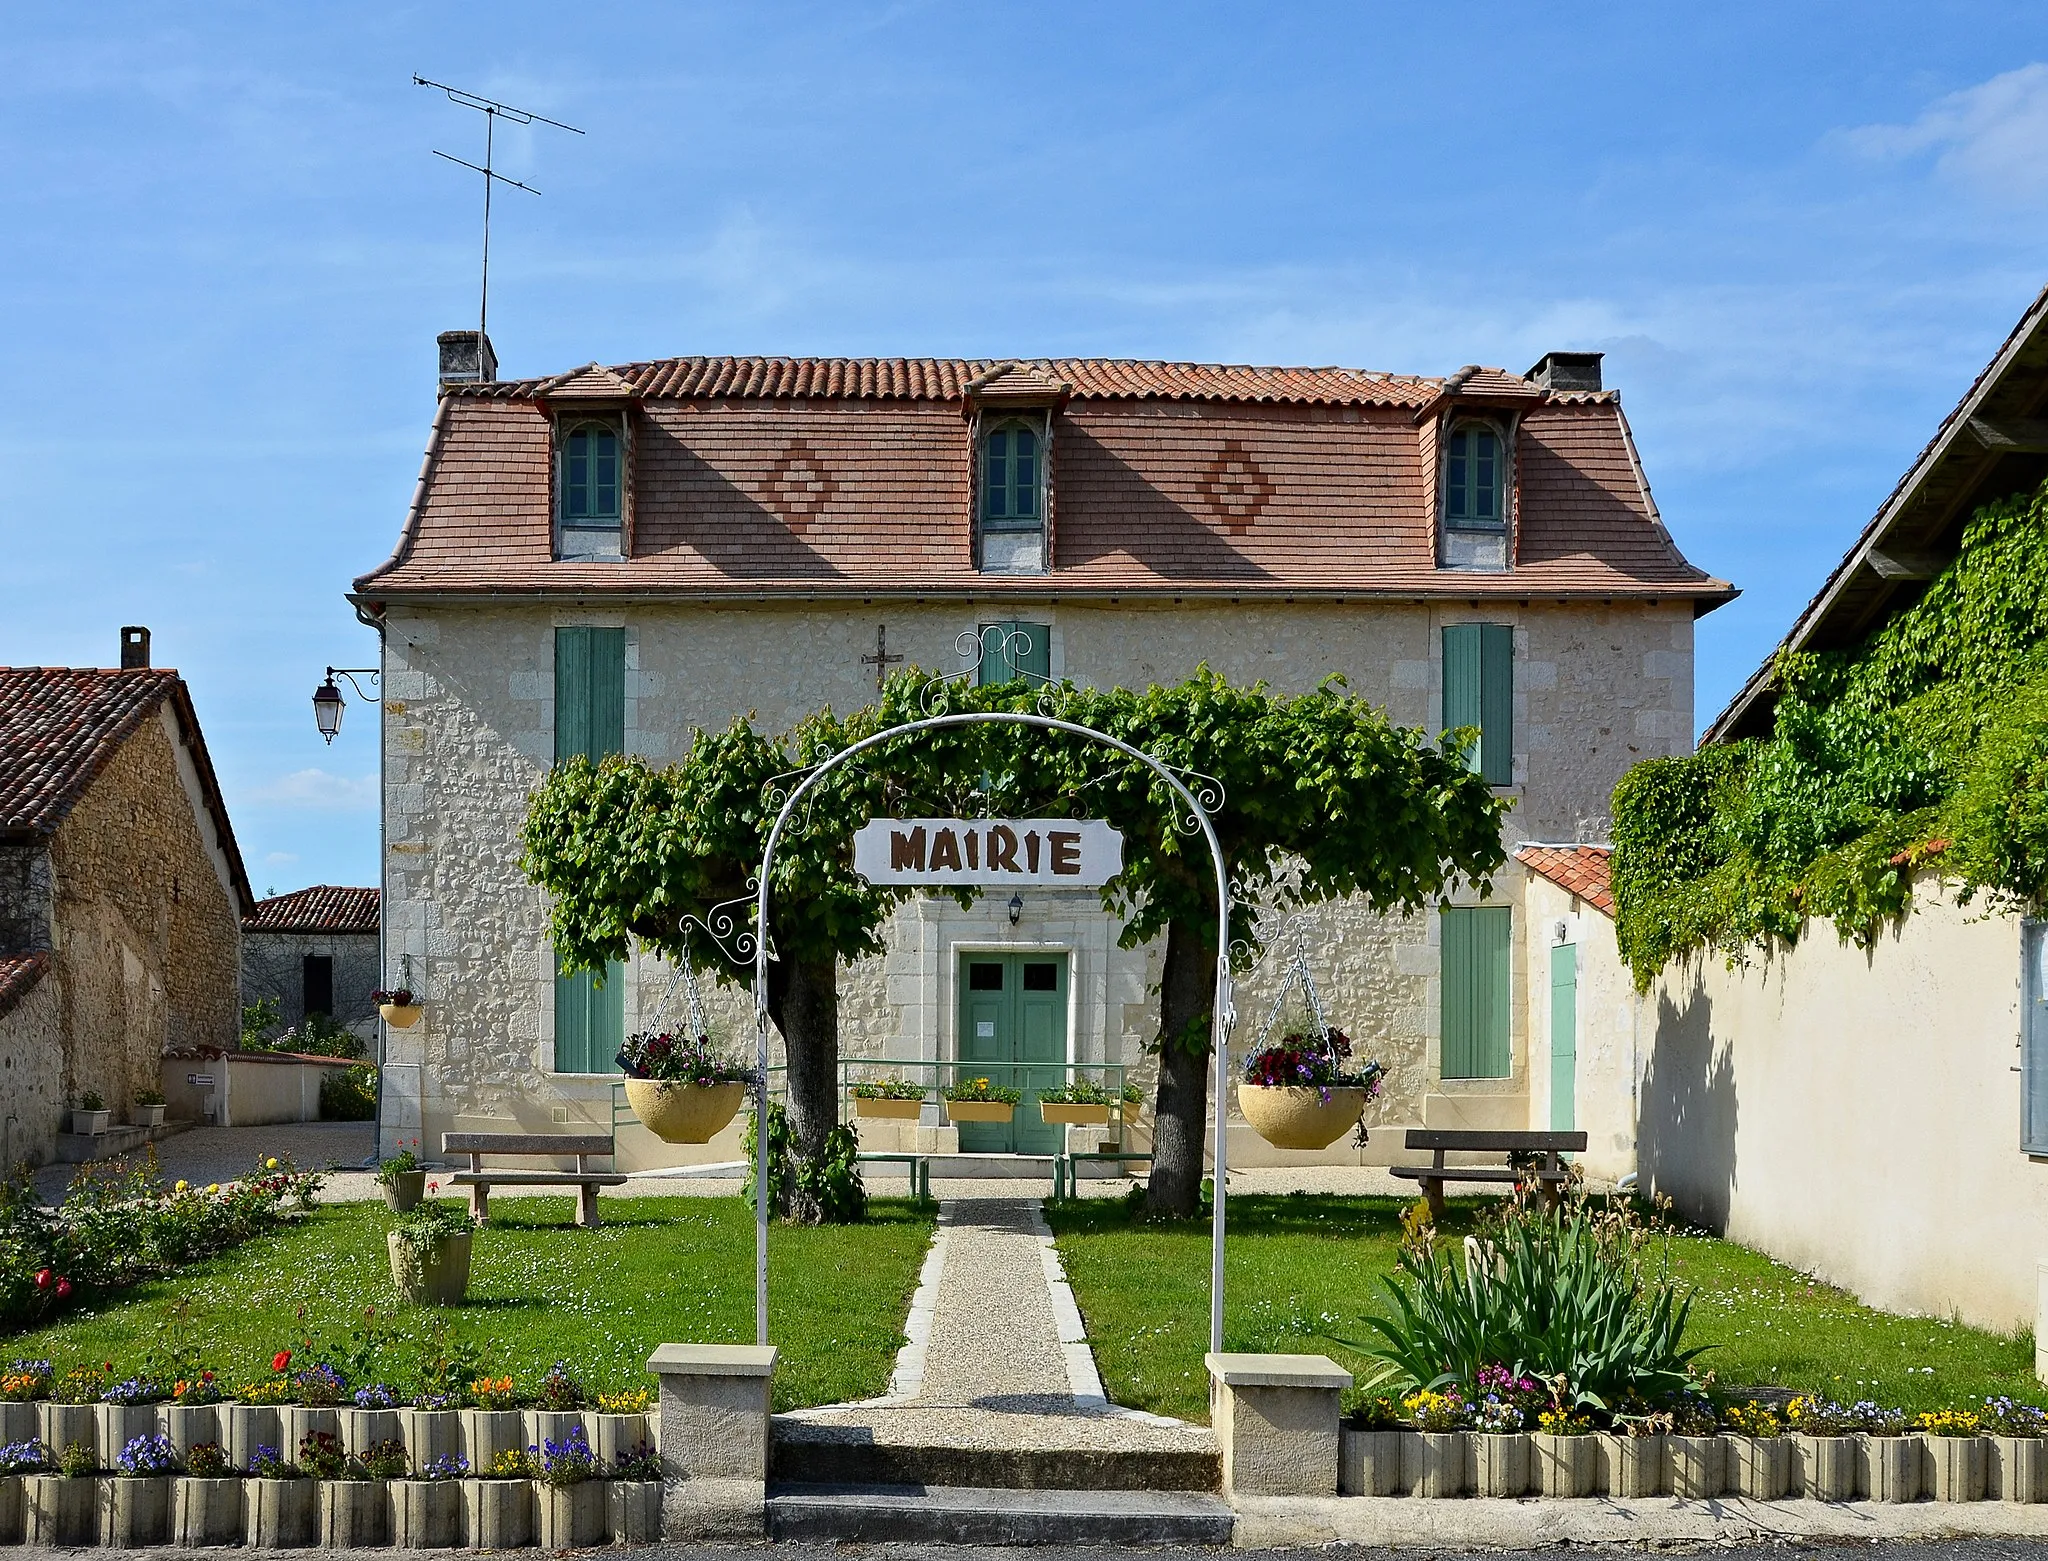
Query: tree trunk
(803,1000)
(1187,1000)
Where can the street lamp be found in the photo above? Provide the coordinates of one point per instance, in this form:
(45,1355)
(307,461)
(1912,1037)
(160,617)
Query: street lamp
(328,703)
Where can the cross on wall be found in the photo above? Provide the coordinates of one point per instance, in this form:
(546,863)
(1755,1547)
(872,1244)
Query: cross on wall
(881,659)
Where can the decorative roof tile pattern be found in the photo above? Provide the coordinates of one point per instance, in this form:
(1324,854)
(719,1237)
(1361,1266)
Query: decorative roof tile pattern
(1580,870)
(59,727)
(18,975)
(322,908)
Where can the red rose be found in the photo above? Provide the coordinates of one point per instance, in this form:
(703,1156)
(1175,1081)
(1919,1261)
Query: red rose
(46,1278)
(63,1288)
(280,1360)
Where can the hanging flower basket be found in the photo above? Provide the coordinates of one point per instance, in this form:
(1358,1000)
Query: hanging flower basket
(398,1008)
(682,1091)
(1297,1093)
(977,1100)
(895,1100)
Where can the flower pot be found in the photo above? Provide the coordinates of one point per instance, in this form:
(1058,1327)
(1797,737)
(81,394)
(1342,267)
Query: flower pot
(979,1111)
(1697,1466)
(552,1425)
(192,1425)
(427,1514)
(1758,1467)
(90,1122)
(1296,1116)
(1369,1463)
(499,1513)
(404,1191)
(13,1508)
(568,1516)
(400,1016)
(1500,1463)
(430,1434)
(1891,1467)
(135,1510)
(206,1511)
(19,1422)
(1955,1467)
(2016,1468)
(1131,1110)
(64,1425)
(146,1116)
(1830,1467)
(894,1110)
(60,1510)
(1073,1113)
(612,1435)
(303,1420)
(250,1426)
(1632,1467)
(442,1278)
(1433,1463)
(354,1514)
(487,1433)
(280,1514)
(684,1113)
(1564,1465)
(120,1424)
(634,1515)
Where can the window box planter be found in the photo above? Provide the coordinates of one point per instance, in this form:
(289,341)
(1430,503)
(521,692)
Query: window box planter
(280,1514)
(1434,1463)
(572,1516)
(489,1432)
(2016,1468)
(552,1425)
(14,1509)
(90,1122)
(1369,1463)
(146,1116)
(427,1514)
(135,1510)
(354,1514)
(634,1514)
(60,1510)
(1131,1110)
(1295,1116)
(250,1426)
(1074,1113)
(684,1113)
(1632,1467)
(979,1111)
(19,1422)
(1500,1463)
(67,1424)
(120,1424)
(1955,1467)
(206,1511)
(430,1434)
(1891,1467)
(442,1279)
(888,1110)
(1758,1467)
(1698,1466)
(1830,1467)
(1564,1465)
(192,1425)
(404,1191)
(400,1016)
(611,1435)
(499,1513)
(300,1421)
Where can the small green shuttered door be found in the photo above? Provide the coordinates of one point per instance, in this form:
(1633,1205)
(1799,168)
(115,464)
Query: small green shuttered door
(590,719)
(1479,691)
(1033,652)
(1475,991)
(1564,1037)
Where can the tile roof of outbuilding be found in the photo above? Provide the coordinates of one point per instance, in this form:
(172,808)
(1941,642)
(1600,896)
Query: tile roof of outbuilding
(18,975)
(322,908)
(1580,870)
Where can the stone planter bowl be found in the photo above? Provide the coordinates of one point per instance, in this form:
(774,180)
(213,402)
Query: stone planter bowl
(404,1191)
(1295,1116)
(280,1514)
(684,1113)
(979,1111)
(1074,1113)
(892,1110)
(441,1280)
(400,1016)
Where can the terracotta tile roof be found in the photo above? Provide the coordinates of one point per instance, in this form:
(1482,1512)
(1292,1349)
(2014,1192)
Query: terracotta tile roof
(61,726)
(322,908)
(18,974)
(1580,870)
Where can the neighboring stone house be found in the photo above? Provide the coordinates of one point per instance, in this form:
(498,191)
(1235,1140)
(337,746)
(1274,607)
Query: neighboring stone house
(314,951)
(121,889)
(613,559)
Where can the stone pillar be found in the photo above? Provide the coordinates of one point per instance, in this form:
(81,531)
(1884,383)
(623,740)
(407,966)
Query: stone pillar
(1276,1419)
(713,1410)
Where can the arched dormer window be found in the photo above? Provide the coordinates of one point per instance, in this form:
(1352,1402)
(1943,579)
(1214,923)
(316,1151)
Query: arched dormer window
(589,491)
(1475,497)
(1012,498)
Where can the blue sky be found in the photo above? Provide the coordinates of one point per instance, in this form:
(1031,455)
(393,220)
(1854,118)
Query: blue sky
(1796,231)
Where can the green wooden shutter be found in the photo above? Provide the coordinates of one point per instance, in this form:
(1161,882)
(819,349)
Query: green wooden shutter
(590,719)
(1479,691)
(1035,659)
(1475,991)
(1463,684)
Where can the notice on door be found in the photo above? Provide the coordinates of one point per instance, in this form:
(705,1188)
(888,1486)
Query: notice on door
(1078,853)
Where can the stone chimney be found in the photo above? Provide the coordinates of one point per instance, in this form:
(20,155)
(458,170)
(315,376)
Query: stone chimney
(134,646)
(467,358)
(1553,371)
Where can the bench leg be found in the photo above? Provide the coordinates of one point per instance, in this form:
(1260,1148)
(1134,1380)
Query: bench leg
(480,1202)
(1433,1194)
(586,1207)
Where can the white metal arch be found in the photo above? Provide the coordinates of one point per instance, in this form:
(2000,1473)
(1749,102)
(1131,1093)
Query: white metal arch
(1221,1017)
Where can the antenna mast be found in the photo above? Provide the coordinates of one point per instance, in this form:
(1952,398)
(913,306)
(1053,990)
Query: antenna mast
(491,110)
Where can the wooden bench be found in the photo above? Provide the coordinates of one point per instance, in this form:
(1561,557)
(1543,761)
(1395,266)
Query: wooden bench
(479,1181)
(1549,1172)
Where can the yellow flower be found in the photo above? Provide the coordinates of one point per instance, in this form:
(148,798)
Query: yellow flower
(270,1164)
(182,1187)
(213,1186)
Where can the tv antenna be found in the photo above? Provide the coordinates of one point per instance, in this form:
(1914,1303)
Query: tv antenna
(492,111)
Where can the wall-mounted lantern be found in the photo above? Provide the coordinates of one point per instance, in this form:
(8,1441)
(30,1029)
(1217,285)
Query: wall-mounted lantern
(328,703)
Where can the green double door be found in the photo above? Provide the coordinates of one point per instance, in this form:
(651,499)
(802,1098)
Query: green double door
(1013,1023)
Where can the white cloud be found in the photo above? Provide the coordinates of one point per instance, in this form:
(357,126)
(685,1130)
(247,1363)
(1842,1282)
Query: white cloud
(1989,136)
(320,792)
(280,859)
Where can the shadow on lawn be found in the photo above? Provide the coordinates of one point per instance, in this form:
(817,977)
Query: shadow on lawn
(1266,1214)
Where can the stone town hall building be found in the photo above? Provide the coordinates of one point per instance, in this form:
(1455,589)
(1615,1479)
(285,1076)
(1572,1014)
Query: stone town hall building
(610,559)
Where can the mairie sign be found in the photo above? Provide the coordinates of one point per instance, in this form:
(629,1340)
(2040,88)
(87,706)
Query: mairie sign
(1081,853)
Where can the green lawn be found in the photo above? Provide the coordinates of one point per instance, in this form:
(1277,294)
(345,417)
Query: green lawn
(1304,1271)
(659,1270)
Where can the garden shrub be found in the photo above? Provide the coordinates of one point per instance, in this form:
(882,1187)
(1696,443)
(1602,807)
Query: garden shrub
(349,1095)
(831,1184)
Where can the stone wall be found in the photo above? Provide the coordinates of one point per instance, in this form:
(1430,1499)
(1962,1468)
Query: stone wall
(1609,1017)
(469,732)
(32,1075)
(273,965)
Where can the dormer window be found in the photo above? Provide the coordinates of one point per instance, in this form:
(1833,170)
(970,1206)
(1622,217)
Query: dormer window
(1475,497)
(589,491)
(1012,498)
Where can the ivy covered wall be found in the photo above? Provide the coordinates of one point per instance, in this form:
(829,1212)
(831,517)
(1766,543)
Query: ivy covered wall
(1927,744)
